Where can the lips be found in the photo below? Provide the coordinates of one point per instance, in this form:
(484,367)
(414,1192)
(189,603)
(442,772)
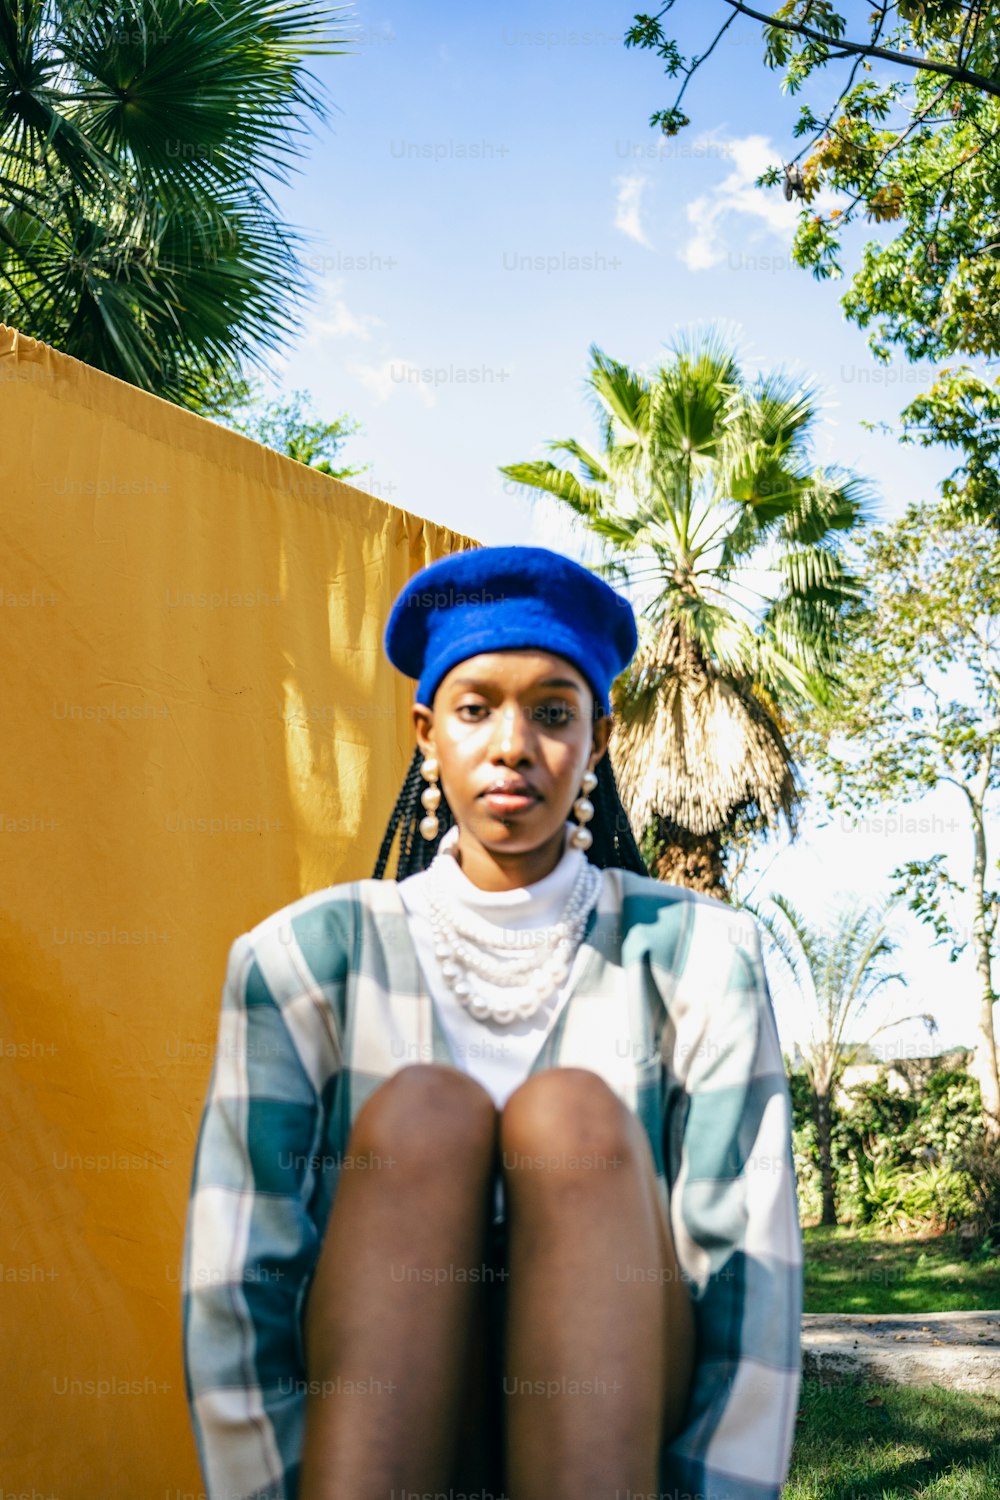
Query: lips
(511,789)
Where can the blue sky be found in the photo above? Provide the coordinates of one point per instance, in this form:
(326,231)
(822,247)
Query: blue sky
(487,202)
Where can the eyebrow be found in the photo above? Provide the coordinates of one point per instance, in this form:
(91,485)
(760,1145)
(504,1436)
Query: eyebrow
(547,682)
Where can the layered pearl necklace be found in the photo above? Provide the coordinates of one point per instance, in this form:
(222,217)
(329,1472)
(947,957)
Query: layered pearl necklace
(538,960)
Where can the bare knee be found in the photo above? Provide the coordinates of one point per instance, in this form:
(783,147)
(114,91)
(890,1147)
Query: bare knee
(567,1123)
(428,1116)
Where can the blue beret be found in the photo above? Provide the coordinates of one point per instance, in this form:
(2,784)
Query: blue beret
(505,599)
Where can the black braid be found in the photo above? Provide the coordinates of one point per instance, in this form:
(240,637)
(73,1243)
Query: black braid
(614,845)
(415,852)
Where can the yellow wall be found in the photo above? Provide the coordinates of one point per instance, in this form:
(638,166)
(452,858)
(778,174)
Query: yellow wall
(199,725)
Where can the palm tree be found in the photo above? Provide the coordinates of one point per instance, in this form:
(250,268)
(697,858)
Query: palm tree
(838,970)
(704,497)
(137,142)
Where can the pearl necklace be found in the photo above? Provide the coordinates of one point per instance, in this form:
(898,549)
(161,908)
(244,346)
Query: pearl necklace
(458,945)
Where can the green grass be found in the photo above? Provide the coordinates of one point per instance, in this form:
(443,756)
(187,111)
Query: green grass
(866,1442)
(888,1442)
(852,1271)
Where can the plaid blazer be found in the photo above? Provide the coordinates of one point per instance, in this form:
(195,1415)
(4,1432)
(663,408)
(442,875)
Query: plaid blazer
(668,1003)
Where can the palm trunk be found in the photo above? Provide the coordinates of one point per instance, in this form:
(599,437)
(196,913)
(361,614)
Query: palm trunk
(824,1142)
(690,859)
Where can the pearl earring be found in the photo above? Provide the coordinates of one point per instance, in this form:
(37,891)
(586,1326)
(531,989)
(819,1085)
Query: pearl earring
(430,798)
(583,811)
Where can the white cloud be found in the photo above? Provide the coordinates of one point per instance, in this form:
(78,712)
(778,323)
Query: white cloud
(338,322)
(766,209)
(383,380)
(345,324)
(335,320)
(628,207)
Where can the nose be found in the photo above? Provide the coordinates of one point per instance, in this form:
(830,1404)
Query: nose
(513,735)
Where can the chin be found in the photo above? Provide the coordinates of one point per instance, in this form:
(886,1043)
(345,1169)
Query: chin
(512,836)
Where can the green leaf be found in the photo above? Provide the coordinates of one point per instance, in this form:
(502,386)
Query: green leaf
(137,137)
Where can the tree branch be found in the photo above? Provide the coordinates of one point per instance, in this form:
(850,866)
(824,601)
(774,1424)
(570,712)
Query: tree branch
(865,49)
(696,62)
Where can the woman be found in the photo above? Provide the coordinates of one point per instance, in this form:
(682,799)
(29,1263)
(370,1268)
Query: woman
(494,1188)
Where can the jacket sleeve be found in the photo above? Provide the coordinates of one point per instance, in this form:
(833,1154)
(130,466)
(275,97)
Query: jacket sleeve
(252,1240)
(734,1215)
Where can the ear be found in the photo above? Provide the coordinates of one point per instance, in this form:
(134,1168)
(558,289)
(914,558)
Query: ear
(602,734)
(423,725)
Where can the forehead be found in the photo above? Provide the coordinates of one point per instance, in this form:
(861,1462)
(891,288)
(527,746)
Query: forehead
(515,670)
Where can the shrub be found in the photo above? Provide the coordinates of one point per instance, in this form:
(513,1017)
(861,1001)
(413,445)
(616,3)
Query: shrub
(877,1122)
(950,1116)
(910,1161)
(980,1163)
(908,1200)
(807,1171)
(936,1197)
(804,1148)
(874,1192)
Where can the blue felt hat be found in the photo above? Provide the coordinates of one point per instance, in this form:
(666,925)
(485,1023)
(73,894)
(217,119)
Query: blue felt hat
(505,599)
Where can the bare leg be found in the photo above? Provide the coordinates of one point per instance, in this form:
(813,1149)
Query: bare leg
(594,1296)
(391,1348)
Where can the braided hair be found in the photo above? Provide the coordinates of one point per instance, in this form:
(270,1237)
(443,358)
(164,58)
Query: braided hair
(613,846)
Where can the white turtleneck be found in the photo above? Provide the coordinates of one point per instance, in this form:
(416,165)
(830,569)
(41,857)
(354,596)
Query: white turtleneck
(497,1056)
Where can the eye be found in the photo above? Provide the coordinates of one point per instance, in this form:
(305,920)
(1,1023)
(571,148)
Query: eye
(555,713)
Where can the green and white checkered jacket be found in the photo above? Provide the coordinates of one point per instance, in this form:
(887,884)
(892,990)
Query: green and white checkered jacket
(325,999)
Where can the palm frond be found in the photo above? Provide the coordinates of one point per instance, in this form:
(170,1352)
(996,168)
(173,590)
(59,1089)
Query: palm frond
(539,474)
(780,410)
(591,467)
(795,941)
(838,968)
(830,500)
(624,397)
(138,232)
(195,94)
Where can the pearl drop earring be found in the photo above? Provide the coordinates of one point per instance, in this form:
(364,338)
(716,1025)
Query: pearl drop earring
(430,798)
(583,811)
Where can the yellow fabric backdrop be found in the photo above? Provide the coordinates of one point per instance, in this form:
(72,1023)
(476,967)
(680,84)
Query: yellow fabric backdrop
(199,725)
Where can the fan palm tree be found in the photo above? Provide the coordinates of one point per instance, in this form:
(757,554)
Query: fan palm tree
(137,142)
(838,970)
(703,496)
